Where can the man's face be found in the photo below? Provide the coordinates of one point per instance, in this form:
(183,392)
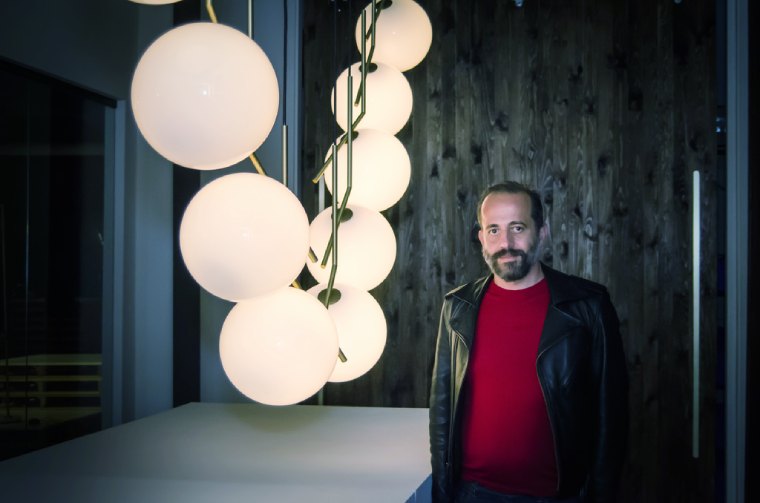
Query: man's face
(508,235)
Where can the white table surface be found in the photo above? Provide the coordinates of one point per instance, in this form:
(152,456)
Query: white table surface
(204,452)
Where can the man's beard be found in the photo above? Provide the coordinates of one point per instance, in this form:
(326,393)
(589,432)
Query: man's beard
(516,269)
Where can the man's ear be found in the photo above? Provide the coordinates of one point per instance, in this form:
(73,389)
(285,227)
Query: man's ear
(480,237)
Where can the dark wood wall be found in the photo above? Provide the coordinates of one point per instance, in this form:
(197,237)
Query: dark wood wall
(606,107)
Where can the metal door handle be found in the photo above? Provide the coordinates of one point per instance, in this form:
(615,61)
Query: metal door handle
(695,280)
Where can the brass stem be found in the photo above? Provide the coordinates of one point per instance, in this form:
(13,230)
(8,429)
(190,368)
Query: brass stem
(256,163)
(334,236)
(338,215)
(366,62)
(210,9)
(376,13)
(361,115)
(328,161)
(285,155)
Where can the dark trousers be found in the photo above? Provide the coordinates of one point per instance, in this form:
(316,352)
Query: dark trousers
(472,492)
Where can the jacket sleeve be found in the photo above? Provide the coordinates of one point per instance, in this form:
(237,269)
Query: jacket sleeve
(611,378)
(440,405)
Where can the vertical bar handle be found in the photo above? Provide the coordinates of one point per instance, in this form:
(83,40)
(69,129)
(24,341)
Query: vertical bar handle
(695,281)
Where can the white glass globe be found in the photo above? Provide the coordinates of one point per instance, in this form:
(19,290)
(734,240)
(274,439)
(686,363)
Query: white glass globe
(402,36)
(279,348)
(380,170)
(389,99)
(243,235)
(366,248)
(204,96)
(362,330)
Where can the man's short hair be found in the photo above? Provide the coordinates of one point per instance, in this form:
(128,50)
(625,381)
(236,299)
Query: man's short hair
(510,187)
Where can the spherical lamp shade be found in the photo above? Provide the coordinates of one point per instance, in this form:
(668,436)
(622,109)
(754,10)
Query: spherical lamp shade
(362,331)
(402,36)
(366,248)
(204,96)
(380,170)
(389,99)
(279,348)
(243,235)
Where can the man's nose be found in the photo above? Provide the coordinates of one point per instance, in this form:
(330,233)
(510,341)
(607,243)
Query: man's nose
(509,240)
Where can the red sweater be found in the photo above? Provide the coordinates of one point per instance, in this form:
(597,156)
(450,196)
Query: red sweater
(507,442)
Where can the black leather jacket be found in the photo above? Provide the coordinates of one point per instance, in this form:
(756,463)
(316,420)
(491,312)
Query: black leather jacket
(582,372)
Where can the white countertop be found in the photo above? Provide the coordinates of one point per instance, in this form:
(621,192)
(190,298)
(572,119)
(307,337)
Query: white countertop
(235,452)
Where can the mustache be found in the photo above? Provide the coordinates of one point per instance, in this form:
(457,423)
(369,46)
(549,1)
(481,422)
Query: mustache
(509,252)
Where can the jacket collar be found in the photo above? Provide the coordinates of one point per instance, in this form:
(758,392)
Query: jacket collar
(563,289)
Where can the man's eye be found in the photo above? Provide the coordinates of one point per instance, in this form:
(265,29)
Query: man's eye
(518,228)
(493,232)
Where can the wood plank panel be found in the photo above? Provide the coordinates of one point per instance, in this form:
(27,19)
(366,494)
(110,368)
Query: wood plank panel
(605,107)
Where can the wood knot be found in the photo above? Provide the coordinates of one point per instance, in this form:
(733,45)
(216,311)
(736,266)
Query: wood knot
(576,75)
(477,153)
(502,122)
(434,171)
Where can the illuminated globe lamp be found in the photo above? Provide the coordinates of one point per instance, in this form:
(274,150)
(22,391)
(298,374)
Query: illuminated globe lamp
(361,328)
(403,33)
(204,96)
(243,235)
(388,98)
(279,348)
(366,248)
(380,170)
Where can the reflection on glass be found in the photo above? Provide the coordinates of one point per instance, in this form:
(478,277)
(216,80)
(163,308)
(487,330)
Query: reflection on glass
(51,201)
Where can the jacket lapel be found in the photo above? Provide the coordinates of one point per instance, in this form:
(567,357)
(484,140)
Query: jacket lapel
(465,312)
(558,320)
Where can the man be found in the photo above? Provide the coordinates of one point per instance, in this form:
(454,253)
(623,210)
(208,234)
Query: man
(529,395)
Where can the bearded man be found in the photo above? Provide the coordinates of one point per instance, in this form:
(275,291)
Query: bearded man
(528,401)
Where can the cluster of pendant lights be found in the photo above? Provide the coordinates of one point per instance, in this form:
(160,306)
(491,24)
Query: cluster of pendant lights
(205,96)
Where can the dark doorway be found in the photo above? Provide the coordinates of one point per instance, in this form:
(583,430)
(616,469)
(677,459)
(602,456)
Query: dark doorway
(51,248)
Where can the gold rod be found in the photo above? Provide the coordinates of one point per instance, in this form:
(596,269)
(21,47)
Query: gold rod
(336,221)
(349,150)
(210,9)
(328,161)
(368,61)
(285,155)
(256,163)
(344,202)
(373,29)
(334,236)
(364,65)
(376,14)
(363,112)
(332,245)
(250,19)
